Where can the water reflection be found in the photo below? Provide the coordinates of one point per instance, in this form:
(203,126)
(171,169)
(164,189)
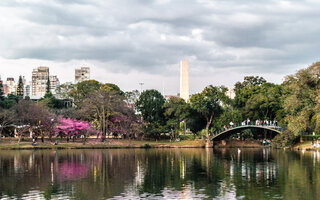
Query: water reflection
(160,174)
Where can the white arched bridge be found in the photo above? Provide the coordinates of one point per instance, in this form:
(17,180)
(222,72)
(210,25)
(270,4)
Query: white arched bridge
(273,130)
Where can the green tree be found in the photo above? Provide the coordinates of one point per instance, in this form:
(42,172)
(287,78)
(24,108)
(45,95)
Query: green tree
(209,103)
(301,100)
(266,103)
(150,104)
(1,92)
(112,88)
(49,100)
(229,114)
(48,86)
(176,110)
(244,90)
(20,88)
(82,90)
(255,98)
(10,101)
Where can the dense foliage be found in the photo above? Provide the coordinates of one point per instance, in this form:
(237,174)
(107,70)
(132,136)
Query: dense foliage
(112,112)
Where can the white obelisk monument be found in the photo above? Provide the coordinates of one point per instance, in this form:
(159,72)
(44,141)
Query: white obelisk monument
(184,80)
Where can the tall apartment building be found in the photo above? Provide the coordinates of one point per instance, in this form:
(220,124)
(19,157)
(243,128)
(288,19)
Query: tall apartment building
(39,81)
(40,77)
(184,80)
(27,90)
(54,83)
(11,86)
(82,74)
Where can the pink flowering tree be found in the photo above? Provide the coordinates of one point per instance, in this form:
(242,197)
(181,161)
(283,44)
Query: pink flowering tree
(67,127)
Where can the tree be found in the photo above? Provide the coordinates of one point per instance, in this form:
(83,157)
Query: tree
(301,100)
(33,115)
(132,97)
(99,107)
(48,86)
(10,101)
(266,103)
(1,92)
(112,88)
(64,90)
(176,110)
(50,101)
(20,88)
(82,90)
(150,105)
(209,103)
(72,128)
(7,119)
(246,89)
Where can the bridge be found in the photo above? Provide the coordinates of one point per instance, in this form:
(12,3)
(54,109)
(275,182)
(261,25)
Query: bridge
(224,134)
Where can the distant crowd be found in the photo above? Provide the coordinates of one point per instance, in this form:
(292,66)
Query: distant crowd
(258,122)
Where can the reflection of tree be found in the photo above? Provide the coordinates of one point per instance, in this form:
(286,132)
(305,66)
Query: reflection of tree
(184,173)
(72,171)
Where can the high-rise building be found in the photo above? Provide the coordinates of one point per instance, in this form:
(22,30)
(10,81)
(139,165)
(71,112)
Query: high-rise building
(82,74)
(184,80)
(11,86)
(39,81)
(54,83)
(27,90)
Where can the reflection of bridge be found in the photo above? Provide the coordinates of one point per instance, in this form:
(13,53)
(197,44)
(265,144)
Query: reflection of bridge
(224,134)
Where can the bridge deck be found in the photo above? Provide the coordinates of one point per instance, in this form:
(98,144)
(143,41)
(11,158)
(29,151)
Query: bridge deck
(232,130)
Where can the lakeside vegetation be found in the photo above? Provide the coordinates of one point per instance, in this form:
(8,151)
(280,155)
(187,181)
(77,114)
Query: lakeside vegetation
(103,110)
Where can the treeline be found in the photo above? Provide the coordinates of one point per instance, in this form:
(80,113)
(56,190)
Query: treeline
(295,103)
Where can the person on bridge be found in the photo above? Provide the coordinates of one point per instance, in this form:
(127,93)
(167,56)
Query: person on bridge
(231,124)
(248,121)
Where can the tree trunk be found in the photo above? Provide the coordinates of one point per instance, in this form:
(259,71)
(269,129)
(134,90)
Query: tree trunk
(20,137)
(207,129)
(84,139)
(103,125)
(209,121)
(1,132)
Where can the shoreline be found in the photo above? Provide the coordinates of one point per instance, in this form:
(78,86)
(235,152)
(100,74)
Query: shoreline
(12,144)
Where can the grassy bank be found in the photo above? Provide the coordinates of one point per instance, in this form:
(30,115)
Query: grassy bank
(12,144)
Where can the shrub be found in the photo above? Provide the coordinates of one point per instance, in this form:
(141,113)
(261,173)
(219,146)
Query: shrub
(286,139)
(187,137)
(202,133)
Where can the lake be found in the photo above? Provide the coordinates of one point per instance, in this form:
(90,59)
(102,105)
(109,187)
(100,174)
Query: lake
(160,174)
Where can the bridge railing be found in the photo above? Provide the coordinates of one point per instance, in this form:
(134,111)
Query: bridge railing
(237,125)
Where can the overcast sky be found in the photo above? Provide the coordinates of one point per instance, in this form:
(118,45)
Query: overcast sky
(131,41)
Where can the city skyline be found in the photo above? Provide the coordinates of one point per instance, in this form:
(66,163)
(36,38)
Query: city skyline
(223,41)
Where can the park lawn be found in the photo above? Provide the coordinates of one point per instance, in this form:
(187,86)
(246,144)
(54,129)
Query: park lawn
(160,143)
(93,144)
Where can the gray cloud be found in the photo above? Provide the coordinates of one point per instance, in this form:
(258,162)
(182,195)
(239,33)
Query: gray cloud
(148,36)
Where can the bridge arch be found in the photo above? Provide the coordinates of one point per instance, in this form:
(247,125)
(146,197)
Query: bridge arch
(227,133)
